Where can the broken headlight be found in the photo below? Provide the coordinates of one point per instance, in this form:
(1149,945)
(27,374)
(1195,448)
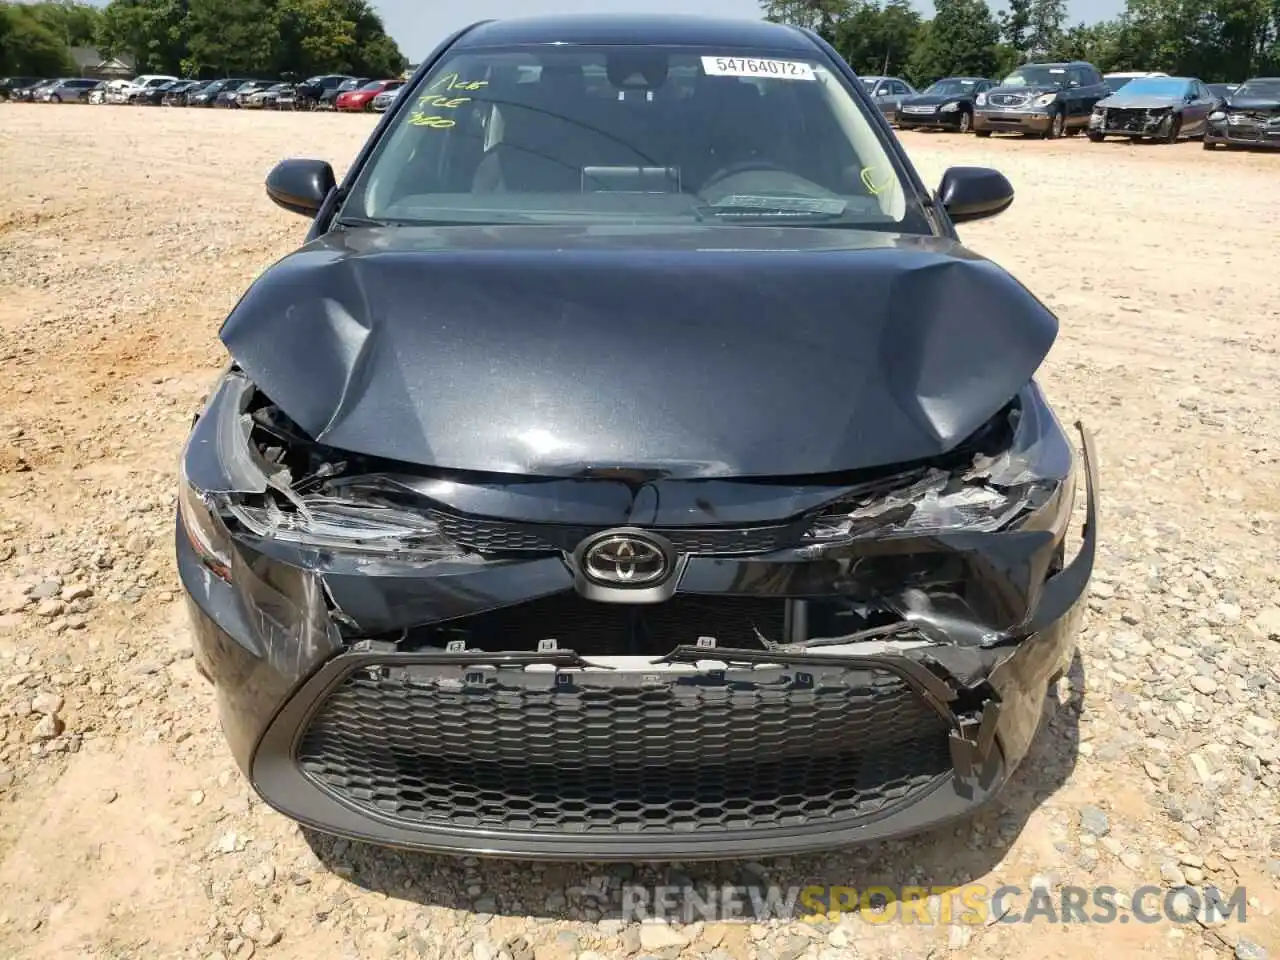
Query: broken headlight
(204,530)
(938,502)
(329,523)
(247,469)
(1028,485)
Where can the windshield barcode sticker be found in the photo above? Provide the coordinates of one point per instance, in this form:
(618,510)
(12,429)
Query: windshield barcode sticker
(751,67)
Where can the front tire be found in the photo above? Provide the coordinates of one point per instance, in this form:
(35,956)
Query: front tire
(1057,124)
(1095,137)
(1175,128)
(966,121)
(56,98)
(982,133)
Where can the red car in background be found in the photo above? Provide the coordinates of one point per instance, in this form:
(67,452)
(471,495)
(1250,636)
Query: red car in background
(362,97)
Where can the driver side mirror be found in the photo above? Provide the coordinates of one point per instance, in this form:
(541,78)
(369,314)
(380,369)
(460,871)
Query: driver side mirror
(974,193)
(300,186)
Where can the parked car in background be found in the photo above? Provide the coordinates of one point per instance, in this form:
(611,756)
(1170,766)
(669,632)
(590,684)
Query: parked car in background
(383,101)
(233,96)
(1115,81)
(258,99)
(310,91)
(1250,117)
(73,90)
(116,91)
(98,94)
(175,94)
(10,84)
(887,92)
(361,98)
(329,97)
(1155,108)
(31,92)
(1047,99)
(286,98)
(155,96)
(947,104)
(139,86)
(208,94)
(1222,90)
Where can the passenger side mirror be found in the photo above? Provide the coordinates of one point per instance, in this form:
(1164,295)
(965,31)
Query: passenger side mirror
(300,186)
(974,193)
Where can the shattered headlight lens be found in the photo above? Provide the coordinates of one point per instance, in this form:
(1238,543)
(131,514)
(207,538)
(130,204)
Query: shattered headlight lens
(206,533)
(1029,484)
(1218,115)
(329,523)
(938,502)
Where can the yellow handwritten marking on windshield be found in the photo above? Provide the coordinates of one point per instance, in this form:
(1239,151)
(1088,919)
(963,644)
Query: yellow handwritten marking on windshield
(869,180)
(451,81)
(420,119)
(435,100)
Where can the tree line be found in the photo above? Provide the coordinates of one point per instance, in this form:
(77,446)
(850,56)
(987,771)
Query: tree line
(1215,40)
(201,38)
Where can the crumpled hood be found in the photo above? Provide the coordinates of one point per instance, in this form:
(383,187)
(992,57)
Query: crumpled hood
(688,351)
(1259,104)
(1118,101)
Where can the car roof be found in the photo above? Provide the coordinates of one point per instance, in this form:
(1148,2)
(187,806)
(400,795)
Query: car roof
(637,29)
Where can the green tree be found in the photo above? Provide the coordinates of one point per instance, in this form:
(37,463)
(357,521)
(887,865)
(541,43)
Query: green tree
(878,39)
(231,37)
(962,41)
(28,47)
(1015,25)
(822,16)
(152,32)
(1045,28)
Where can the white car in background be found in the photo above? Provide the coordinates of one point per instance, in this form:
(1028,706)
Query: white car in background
(141,84)
(1115,81)
(116,91)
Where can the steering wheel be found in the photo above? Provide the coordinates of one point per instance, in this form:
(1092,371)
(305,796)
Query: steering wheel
(742,166)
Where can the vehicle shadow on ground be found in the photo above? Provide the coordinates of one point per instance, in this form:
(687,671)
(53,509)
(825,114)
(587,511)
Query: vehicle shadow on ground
(945,857)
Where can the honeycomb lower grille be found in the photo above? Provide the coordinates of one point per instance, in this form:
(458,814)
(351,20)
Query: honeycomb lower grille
(454,751)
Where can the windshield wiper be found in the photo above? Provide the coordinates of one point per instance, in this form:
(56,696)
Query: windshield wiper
(779,208)
(363,222)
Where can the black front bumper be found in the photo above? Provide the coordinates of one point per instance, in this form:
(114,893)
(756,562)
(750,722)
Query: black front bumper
(713,754)
(1256,134)
(937,119)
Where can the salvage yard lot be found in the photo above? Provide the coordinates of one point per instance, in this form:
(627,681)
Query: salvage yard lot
(126,236)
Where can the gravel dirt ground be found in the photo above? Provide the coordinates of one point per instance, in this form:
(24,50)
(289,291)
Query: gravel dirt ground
(125,831)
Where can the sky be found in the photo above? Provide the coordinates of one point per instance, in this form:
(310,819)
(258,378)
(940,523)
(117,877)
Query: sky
(418,26)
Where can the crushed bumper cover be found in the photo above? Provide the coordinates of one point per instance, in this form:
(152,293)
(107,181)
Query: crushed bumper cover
(1251,134)
(705,753)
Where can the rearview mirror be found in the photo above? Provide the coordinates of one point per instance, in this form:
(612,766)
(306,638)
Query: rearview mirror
(300,186)
(973,193)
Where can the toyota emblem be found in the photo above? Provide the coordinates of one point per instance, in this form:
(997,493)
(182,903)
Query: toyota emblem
(625,560)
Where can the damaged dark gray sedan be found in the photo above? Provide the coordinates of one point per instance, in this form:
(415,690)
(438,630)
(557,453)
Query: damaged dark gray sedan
(633,465)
